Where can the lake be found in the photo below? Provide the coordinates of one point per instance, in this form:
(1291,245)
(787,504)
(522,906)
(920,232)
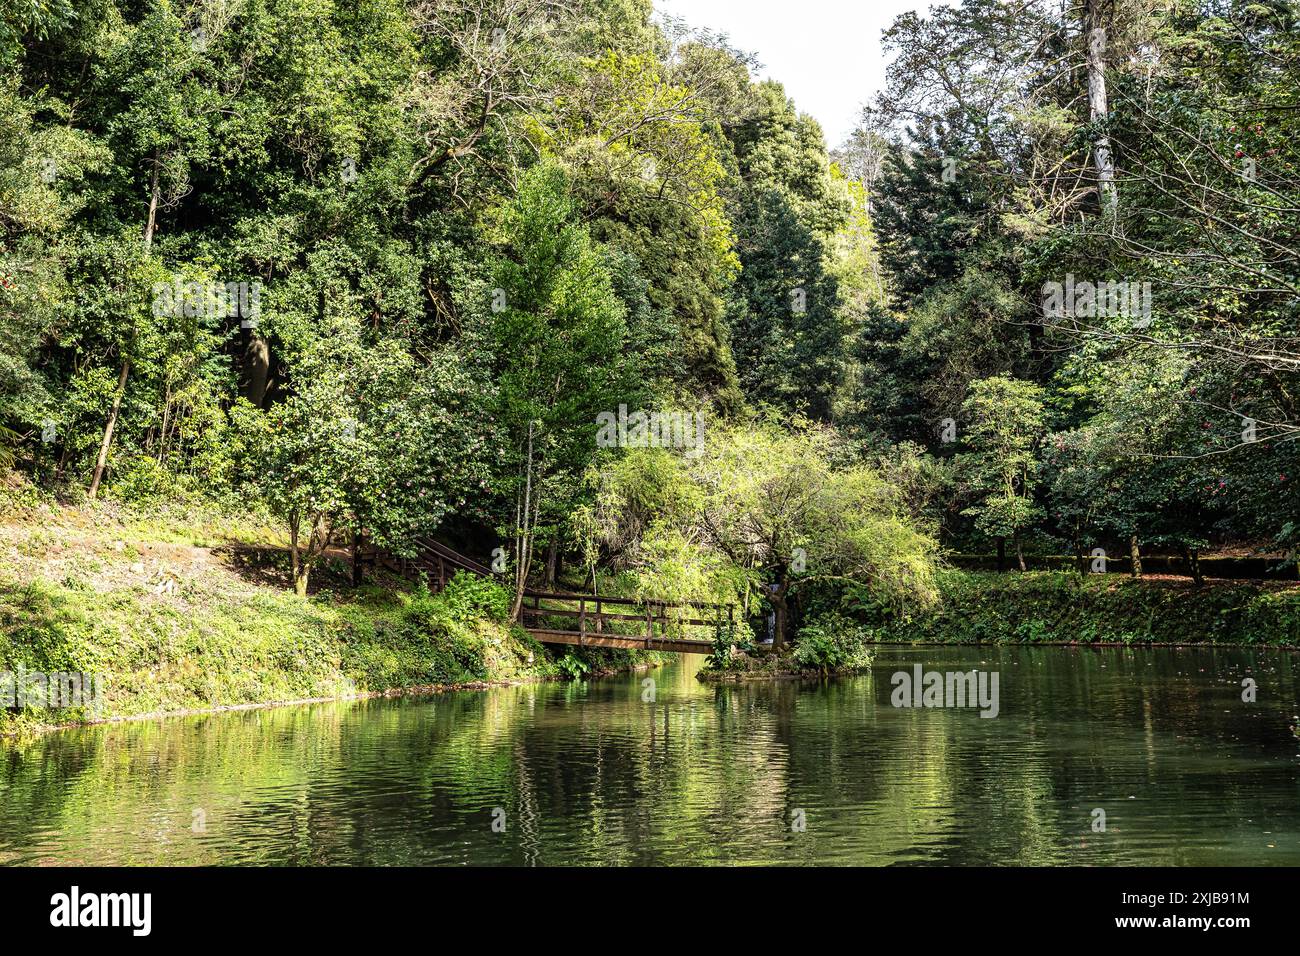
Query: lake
(621,771)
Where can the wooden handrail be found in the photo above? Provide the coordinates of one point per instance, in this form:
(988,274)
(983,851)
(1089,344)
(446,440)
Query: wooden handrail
(454,557)
(610,599)
(653,613)
(609,616)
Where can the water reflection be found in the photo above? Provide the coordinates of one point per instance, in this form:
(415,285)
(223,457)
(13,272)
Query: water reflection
(591,773)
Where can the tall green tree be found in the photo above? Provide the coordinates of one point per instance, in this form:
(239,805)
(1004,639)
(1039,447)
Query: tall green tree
(557,331)
(1003,421)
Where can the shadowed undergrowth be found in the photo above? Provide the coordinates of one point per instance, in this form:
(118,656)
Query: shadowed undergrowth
(1049,606)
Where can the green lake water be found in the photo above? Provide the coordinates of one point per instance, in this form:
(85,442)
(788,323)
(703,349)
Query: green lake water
(786,773)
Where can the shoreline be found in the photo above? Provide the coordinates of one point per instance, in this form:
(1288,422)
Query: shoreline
(753,676)
(414,690)
(705,677)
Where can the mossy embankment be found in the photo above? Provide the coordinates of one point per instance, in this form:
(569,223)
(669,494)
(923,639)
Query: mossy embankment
(191,611)
(1044,607)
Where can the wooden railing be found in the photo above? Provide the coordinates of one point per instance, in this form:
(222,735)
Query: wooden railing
(632,623)
(655,624)
(439,562)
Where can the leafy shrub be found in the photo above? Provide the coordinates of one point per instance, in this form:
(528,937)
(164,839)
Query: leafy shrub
(832,643)
(732,647)
(455,625)
(468,597)
(572,667)
(140,478)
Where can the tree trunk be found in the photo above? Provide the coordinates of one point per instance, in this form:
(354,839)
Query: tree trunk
(781,610)
(1098,107)
(318,542)
(1134,557)
(63,462)
(162,430)
(358,570)
(1020,555)
(101,461)
(1194,564)
(295,558)
(523,531)
(552,564)
(155,194)
(256,369)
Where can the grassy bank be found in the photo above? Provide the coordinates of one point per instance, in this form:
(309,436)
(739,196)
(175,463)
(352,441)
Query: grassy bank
(1063,606)
(190,611)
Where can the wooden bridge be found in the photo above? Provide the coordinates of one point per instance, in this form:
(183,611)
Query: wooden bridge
(589,620)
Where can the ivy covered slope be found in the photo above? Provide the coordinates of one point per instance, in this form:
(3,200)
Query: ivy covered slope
(185,612)
(1066,607)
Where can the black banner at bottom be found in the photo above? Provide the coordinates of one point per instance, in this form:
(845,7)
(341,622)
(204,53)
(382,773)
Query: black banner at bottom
(147,906)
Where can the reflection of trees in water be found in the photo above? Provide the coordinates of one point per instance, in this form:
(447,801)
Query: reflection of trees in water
(1082,728)
(591,772)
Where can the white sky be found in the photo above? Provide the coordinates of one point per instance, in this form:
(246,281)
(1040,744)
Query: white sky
(825,52)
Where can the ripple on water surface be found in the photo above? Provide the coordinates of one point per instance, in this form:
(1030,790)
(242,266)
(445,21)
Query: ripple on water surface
(787,773)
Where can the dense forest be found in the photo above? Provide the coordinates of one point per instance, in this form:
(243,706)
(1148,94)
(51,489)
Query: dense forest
(383,268)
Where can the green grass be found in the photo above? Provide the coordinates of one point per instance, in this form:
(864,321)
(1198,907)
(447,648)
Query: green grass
(173,624)
(1063,606)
